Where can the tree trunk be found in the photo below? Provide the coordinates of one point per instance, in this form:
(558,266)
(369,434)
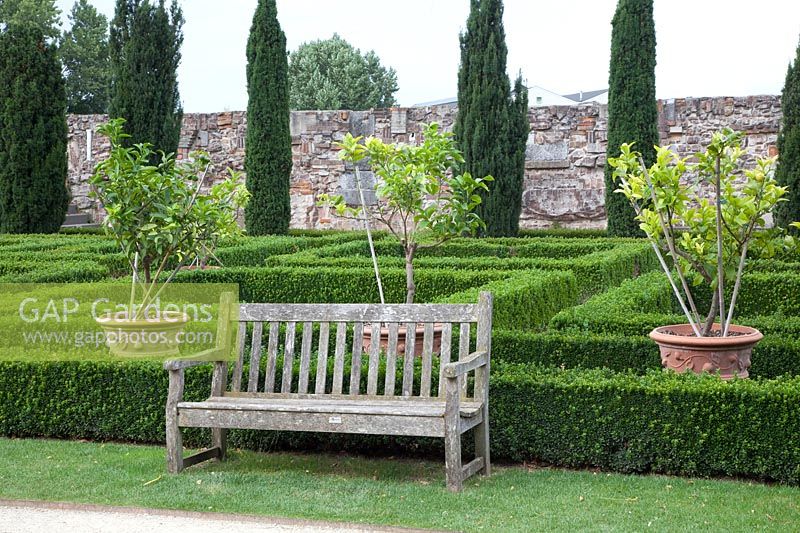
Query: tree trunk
(712,314)
(146,268)
(411,288)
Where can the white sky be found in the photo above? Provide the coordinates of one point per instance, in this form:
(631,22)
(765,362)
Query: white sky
(705,47)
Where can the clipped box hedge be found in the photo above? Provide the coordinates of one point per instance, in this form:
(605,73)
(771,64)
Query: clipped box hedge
(527,300)
(659,422)
(773,357)
(594,272)
(335,285)
(769,302)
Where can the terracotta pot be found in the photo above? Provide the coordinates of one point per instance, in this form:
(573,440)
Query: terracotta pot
(136,338)
(419,339)
(729,356)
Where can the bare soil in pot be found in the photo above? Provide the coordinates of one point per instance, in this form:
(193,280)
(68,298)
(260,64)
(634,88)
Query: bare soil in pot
(729,356)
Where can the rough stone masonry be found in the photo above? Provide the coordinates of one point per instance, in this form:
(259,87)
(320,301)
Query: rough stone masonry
(565,155)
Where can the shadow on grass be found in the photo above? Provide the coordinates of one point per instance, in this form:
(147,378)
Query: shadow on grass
(320,465)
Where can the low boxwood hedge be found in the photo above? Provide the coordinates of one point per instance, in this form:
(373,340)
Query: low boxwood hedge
(336,285)
(769,302)
(527,300)
(773,357)
(594,272)
(659,422)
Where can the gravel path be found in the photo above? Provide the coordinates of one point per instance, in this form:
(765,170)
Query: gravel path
(36,517)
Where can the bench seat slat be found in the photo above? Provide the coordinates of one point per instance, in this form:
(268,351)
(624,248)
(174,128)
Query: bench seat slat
(327,405)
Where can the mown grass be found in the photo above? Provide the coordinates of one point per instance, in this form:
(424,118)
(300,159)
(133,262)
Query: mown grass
(391,492)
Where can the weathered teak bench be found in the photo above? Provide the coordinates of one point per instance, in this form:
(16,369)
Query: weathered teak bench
(332,406)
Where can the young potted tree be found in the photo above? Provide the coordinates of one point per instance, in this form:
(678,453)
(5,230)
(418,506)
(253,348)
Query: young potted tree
(162,221)
(706,238)
(422,198)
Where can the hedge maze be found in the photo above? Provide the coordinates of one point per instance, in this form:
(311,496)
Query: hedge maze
(575,380)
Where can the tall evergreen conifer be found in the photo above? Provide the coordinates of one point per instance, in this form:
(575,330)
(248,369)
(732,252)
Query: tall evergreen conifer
(268,160)
(491,127)
(632,107)
(84,52)
(33,133)
(145,45)
(788,171)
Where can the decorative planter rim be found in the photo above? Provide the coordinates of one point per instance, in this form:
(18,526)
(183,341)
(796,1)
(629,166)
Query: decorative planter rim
(686,338)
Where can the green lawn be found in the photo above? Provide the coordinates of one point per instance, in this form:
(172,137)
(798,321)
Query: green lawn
(395,492)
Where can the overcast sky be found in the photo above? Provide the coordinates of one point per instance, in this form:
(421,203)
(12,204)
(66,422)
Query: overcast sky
(705,47)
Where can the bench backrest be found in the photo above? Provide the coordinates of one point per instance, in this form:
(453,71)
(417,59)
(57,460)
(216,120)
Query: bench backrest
(292,347)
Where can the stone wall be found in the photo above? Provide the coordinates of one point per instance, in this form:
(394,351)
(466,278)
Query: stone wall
(565,156)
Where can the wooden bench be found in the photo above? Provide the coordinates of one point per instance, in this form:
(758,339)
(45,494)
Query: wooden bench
(284,400)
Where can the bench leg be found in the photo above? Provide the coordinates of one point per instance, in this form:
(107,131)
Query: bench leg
(452,436)
(452,459)
(174,446)
(173,431)
(219,439)
(482,443)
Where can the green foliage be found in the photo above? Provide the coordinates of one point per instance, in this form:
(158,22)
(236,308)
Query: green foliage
(33,133)
(410,177)
(268,160)
(715,234)
(492,126)
(773,357)
(85,56)
(157,214)
(145,50)
(788,171)
(596,265)
(632,110)
(334,285)
(40,14)
(331,74)
(527,300)
(769,302)
(659,422)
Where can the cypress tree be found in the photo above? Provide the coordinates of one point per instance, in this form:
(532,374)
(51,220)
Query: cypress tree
(788,171)
(632,107)
(489,127)
(145,45)
(268,160)
(33,133)
(520,127)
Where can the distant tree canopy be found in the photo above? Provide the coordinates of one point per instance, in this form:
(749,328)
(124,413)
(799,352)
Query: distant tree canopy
(145,50)
(84,54)
(332,74)
(33,133)
(788,171)
(42,14)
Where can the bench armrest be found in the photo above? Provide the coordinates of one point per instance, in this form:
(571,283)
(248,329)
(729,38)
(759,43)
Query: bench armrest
(201,358)
(473,361)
